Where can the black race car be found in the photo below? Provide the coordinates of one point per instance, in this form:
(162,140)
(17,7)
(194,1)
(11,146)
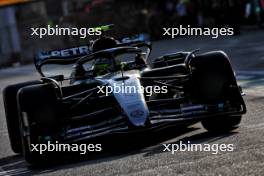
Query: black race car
(76,99)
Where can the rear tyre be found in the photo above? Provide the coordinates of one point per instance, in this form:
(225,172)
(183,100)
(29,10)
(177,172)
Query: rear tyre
(221,124)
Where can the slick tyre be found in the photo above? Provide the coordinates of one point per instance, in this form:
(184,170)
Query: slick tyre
(221,124)
(12,115)
(212,75)
(38,107)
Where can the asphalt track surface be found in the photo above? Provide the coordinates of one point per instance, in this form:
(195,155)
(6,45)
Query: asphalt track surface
(138,155)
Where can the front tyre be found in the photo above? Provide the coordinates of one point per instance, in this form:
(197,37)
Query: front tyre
(28,138)
(221,124)
(12,113)
(39,110)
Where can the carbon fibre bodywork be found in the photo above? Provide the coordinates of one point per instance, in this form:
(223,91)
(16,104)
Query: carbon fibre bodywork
(199,87)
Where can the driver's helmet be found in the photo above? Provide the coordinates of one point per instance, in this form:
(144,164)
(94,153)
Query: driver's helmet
(103,65)
(103,43)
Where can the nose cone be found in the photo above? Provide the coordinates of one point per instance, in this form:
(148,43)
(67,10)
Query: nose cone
(131,99)
(137,114)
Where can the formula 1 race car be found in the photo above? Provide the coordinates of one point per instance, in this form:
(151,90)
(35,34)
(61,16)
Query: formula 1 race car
(113,87)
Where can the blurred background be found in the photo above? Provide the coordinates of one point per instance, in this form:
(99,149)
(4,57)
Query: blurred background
(17,46)
(148,17)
